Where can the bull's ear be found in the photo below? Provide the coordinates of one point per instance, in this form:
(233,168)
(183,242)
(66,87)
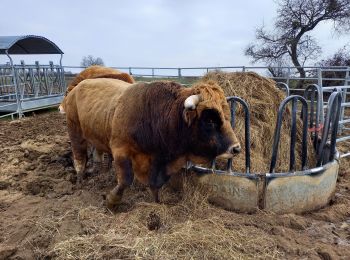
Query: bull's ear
(189,116)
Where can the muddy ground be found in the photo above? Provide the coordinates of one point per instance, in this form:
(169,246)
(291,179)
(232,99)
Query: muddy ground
(44,216)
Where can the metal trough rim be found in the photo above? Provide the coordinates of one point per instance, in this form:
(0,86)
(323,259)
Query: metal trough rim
(277,192)
(312,171)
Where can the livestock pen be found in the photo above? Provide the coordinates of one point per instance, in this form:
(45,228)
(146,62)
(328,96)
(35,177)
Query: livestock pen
(44,215)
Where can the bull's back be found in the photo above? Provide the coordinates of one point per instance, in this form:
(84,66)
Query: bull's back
(94,72)
(90,107)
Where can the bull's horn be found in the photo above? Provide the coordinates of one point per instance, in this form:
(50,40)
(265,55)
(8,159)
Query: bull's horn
(192,101)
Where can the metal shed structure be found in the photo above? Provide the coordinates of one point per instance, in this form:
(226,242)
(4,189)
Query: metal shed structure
(29,87)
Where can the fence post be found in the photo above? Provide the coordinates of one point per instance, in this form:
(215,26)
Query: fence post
(40,86)
(61,76)
(18,100)
(319,77)
(344,96)
(179,73)
(288,77)
(21,80)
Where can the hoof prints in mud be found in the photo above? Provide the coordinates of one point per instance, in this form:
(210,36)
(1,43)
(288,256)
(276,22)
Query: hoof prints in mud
(4,185)
(65,160)
(49,187)
(4,206)
(39,187)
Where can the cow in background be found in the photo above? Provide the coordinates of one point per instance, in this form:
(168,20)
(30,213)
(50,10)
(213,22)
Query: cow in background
(94,72)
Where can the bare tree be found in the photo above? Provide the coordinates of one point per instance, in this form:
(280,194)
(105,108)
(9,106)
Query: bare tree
(277,67)
(340,58)
(295,19)
(90,60)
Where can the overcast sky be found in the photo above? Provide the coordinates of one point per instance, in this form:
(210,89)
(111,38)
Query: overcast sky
(150,33)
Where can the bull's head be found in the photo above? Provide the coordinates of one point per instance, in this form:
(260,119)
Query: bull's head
(207,113)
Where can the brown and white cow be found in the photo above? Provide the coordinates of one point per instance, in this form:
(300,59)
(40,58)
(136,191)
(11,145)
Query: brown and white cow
(151,129)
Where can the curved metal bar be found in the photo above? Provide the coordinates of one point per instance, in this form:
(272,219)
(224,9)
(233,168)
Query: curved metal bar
(284,86)
(319,119)
(233,113)
(277,135)
(315,87)
(331,124)
(293,132)
(232,101)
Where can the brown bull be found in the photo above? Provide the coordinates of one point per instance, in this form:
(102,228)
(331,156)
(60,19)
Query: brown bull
(151,130)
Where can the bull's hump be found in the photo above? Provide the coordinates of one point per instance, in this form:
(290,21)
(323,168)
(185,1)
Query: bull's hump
(165,90)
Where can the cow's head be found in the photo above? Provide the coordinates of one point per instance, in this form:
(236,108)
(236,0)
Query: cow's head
(207,113)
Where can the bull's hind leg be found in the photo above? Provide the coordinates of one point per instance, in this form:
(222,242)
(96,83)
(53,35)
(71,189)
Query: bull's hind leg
(97,157)
(79,149)
(125,178)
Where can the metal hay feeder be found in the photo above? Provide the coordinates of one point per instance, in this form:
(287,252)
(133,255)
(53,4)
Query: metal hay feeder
(29,87)
(295,191)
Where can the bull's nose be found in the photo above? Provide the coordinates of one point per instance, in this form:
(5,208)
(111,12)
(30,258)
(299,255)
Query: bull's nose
(236,148)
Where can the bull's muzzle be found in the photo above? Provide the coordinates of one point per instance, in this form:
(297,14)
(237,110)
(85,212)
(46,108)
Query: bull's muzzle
(236,148)
(233,149)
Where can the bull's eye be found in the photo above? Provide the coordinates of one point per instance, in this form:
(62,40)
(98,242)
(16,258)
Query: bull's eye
(211,120)
(211,123)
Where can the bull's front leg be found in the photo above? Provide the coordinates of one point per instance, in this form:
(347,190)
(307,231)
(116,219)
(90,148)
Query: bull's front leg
(125,178)
(158,176)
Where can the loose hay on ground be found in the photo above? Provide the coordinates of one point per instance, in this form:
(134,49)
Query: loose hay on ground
(57,224)
(263,99)
(191,229)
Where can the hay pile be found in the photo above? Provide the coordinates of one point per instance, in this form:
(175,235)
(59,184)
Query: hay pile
(263,99)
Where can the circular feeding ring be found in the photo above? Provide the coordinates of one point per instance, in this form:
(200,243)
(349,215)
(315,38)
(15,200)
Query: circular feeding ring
(294,191)
(297,192)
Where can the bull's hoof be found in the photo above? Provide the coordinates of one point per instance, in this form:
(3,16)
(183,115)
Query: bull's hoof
(155,193)
(113,200)
(79,185)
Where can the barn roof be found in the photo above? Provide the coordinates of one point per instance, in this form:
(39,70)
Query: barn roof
(28,44)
